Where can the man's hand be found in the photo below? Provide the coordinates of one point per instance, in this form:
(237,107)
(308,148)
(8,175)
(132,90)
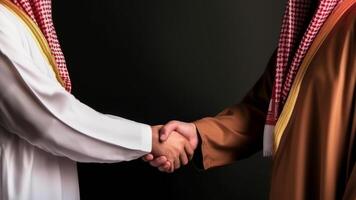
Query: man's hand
(188,130)
(171,153)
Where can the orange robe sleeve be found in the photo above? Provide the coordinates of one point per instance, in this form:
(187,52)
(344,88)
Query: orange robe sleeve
(237,132)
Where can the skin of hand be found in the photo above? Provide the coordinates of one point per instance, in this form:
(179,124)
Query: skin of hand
(188,130)
(171,153)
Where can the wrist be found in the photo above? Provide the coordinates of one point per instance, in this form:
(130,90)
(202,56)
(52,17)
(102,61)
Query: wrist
(195,137)
(154,137)
(194,127)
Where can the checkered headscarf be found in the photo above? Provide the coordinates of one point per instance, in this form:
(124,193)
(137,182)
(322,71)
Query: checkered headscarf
(301,23)
(40,12)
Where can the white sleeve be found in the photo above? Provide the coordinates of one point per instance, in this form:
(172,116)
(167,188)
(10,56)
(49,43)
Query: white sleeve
(37,109)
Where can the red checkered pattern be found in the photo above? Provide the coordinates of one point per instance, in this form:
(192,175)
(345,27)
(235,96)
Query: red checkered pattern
(301,23)
(41,13)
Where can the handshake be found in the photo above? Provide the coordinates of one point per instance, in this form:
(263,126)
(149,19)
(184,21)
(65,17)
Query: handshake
(173,145)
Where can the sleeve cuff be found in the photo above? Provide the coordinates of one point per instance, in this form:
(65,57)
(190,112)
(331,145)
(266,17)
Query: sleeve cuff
(198,156)
(146,138)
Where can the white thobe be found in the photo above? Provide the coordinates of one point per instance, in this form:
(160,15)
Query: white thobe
(44,130)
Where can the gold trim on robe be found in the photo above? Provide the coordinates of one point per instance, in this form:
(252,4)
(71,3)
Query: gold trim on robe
(293,95)
(37,35)
(235,133)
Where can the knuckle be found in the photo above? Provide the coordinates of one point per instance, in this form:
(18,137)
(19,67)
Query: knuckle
(163,129)
(174,122)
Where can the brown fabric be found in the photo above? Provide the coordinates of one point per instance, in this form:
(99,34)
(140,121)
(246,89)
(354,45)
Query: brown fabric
(317,153)
(237,131)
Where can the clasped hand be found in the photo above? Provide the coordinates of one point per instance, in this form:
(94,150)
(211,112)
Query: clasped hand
(173,145)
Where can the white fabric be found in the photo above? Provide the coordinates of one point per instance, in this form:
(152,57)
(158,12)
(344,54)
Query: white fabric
(268,138)
(44,130)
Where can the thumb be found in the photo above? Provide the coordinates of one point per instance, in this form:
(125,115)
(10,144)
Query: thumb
(148,157)
(167,129)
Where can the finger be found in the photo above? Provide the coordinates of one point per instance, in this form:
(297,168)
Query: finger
(147,157)
(162,169)
(167,129)
(166,167)
(189,151)
(176,163)
(158,161)
(183,158)
(171,170)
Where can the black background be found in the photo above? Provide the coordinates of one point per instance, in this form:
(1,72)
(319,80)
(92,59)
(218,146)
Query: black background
(156,60)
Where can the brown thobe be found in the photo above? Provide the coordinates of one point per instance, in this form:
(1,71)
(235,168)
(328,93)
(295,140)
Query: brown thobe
(316,153)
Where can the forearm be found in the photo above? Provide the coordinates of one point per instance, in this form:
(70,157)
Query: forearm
(237,132)
(48,117)
(232,135)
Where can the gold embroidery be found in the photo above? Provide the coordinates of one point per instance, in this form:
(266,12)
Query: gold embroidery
(37,34)
(293,95)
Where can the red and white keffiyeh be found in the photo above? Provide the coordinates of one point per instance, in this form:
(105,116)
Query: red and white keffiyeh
(40,12)
(301,23)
